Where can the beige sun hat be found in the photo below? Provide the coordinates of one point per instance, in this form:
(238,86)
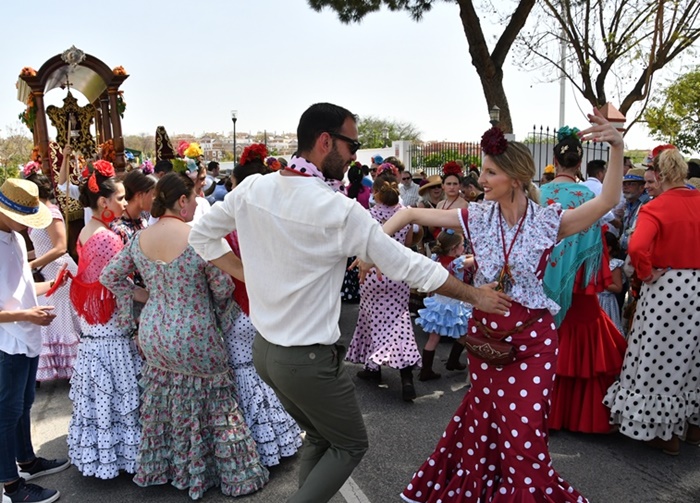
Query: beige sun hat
(432,181)
(19,200)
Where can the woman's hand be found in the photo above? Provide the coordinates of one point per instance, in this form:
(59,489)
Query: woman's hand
(601,131)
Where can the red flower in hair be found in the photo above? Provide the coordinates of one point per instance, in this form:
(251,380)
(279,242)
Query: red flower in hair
(660,148)
(254,152)
(104,168)
(86,171)
(452,168)
(493,142)
(92,184)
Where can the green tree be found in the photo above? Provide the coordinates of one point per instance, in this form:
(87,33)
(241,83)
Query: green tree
(675,117)
(143,142)
(377,133)
(614,47)
(488,63)
(15,149)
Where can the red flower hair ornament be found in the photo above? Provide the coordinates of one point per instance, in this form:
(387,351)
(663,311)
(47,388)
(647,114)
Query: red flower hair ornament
(105,168)
(92,184)
(254,152)
(452,168)
(493,142)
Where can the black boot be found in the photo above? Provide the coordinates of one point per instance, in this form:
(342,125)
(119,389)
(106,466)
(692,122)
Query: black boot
(426,372)
(408,391)
(370,375)
(453,360)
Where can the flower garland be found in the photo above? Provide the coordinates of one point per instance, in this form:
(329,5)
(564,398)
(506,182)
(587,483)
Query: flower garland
(35,155)
(107,151)
(121,104)
(28,117)
(31,168)
(254,152)
(493,142)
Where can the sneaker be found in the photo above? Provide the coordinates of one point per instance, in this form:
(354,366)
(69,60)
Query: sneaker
(44,467)
(31,493)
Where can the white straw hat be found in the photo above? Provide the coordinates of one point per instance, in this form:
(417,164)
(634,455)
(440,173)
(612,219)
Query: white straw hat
(19,200)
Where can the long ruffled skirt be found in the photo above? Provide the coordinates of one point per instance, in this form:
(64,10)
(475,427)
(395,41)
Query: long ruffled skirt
(195,436)
(495,447)
(658,393)
(275,432)
(591,350)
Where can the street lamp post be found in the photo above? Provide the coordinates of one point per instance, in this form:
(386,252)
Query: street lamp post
(494,116)
(234,118)
(385,131)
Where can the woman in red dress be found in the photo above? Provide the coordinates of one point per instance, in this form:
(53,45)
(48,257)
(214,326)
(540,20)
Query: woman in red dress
(495,447)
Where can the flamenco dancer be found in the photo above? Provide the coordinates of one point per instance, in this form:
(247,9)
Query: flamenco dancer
(495,446)
(591,348)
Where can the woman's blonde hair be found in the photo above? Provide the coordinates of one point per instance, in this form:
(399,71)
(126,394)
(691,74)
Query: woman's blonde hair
(517,162)
(672,167)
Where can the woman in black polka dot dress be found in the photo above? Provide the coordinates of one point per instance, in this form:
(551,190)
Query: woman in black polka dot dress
(657,397)
(384,332)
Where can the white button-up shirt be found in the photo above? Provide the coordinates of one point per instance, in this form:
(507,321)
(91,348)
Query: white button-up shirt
(295,235)
(17,292)
(409,194)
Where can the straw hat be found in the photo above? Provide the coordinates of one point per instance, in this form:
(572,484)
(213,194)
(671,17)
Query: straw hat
(432,181)
(695,182)
(634,175)
(19,200)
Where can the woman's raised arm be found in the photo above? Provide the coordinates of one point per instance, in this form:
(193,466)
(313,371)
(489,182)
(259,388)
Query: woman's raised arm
(422,216)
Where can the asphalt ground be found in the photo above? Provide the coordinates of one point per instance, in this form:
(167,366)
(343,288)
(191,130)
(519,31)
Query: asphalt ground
(604,468)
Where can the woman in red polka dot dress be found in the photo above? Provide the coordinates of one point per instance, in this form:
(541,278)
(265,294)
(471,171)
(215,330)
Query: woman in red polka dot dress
(495,447)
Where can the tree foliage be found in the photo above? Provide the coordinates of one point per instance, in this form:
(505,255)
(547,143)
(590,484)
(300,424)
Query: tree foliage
(675,115)
(15,149)
(615,47)
(143,142)
(377,133)
(488,63)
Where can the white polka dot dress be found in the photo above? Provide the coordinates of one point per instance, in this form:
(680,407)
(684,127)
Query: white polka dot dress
(275,432)
(658,392)
(59,339)
(384,331)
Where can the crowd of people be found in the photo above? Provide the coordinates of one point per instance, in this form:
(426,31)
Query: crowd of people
(576,302)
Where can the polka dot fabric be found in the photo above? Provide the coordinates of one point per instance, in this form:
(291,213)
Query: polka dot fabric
(495,447)
(658,392)
(276,434)
(384,331)
(59,339)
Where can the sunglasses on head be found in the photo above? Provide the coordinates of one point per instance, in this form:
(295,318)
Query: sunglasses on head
(353,145)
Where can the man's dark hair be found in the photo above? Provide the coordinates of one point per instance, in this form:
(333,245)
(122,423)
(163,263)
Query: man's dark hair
(594,167)
(163,166)
(693,168)
(317,119)
(212,165)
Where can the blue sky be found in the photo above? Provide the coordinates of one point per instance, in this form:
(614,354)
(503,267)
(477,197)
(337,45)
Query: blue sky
(191,63)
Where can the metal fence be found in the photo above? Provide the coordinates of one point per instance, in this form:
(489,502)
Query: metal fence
(430,157)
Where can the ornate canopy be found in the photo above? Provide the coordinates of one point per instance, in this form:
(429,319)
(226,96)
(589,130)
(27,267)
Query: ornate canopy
(91,77)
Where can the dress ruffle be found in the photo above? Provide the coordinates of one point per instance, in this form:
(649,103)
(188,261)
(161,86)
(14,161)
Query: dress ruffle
(104,430)
(591,351)
(194,435)
(275,432)
(444,316)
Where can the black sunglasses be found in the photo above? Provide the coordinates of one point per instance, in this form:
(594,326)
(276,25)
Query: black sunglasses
(353,145)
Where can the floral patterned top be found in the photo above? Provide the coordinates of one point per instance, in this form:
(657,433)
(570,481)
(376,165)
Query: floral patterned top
(482,225)
(126,227)
(190,304)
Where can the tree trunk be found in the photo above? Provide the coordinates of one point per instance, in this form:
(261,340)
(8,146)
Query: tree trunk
(489,66)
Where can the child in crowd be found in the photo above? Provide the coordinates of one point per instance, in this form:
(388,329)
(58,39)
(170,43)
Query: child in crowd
(607,298)
(444,315)
(384,332)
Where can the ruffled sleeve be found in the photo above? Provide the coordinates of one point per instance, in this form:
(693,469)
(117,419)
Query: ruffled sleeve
(116,278)
(221,287)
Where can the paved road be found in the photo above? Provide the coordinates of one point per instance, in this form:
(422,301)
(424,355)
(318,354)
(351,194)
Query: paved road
(605,468)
